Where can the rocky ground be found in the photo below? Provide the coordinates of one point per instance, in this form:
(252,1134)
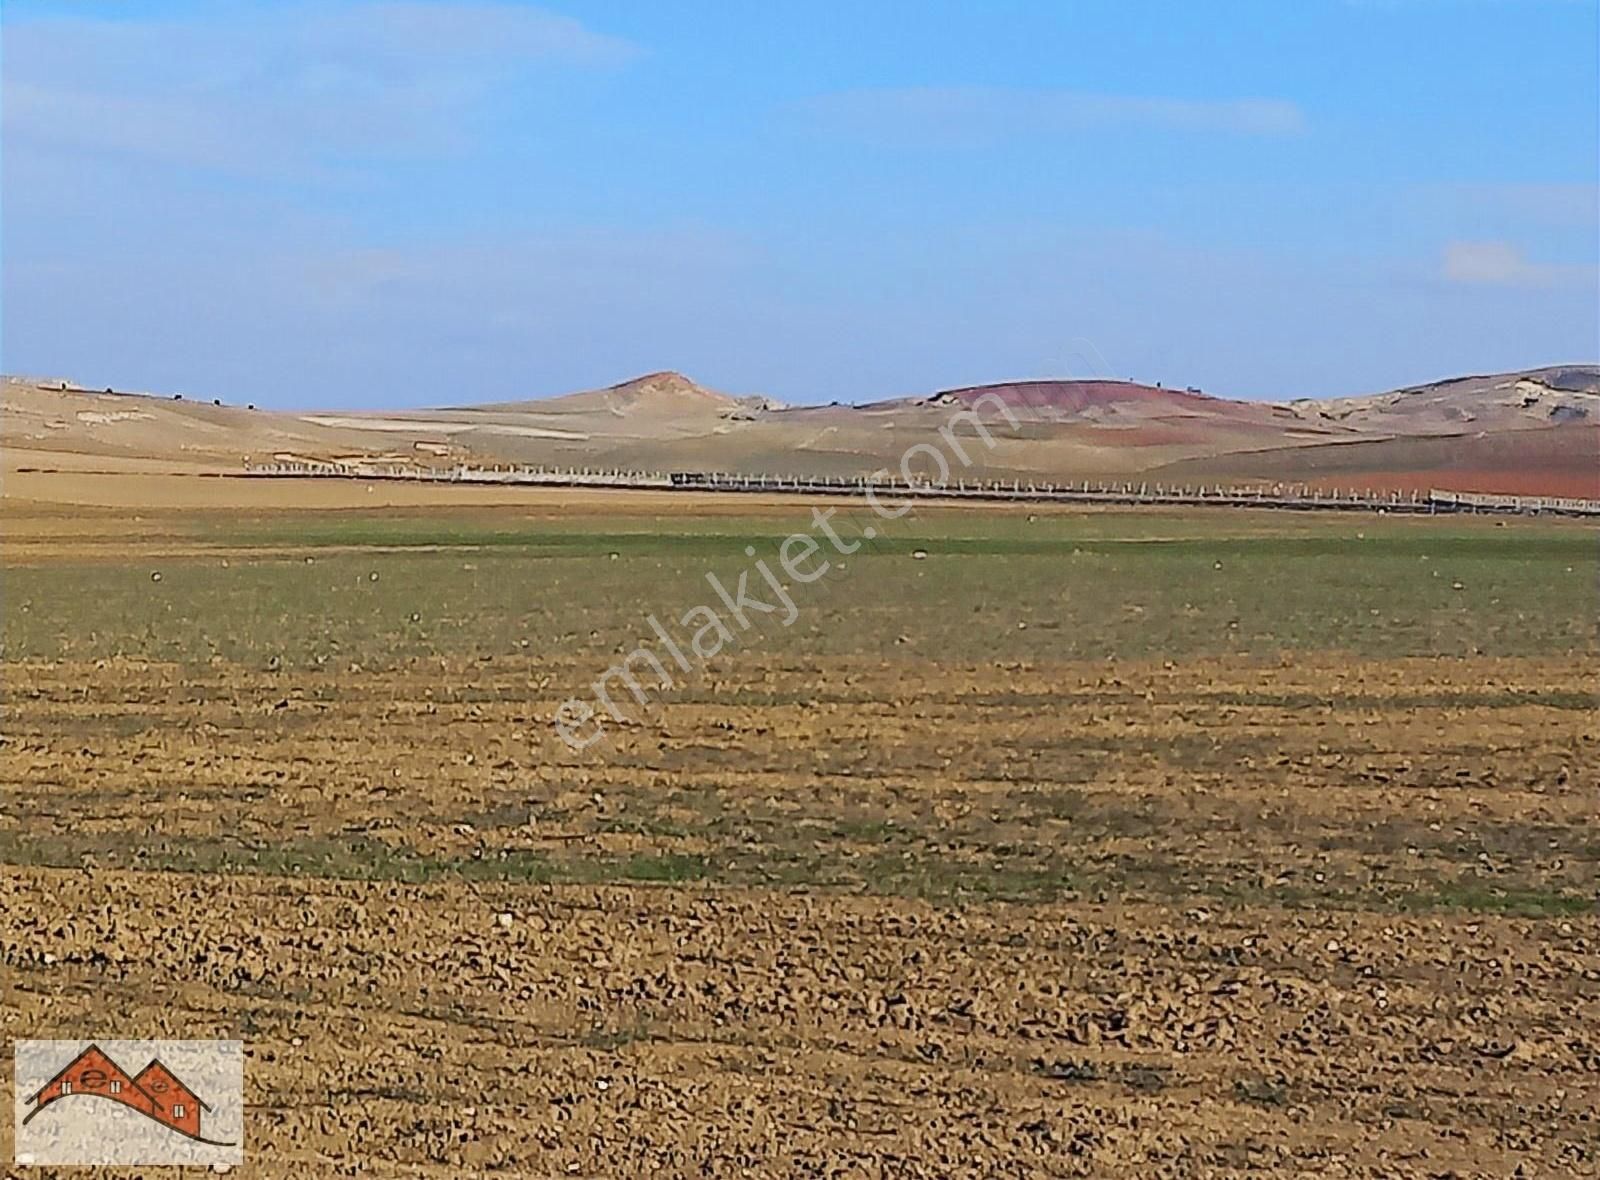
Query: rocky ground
(883,902)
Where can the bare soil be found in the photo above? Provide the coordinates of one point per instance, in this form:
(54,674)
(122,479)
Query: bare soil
(909,892)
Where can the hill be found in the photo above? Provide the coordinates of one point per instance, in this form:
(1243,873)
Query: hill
(654,393)
(1535,430)
(1505,401)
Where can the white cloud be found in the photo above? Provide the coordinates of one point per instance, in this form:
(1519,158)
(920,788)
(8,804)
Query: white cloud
(428,29)
(982,113)
(1501,264)
(289,85)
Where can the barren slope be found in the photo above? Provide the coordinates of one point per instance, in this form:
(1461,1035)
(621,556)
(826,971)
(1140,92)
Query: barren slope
(1504,401)
(1532,431)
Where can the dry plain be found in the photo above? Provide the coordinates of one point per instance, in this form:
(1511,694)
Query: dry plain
(1088,844)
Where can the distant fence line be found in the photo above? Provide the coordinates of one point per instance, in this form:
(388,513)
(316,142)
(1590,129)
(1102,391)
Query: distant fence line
(1292,497)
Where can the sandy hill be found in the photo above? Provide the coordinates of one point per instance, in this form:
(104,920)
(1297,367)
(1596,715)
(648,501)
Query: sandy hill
(1523,400)
(1536,429)
(56,423)
(654,393)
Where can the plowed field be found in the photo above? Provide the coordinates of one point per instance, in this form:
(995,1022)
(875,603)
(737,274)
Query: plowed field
(1073,844)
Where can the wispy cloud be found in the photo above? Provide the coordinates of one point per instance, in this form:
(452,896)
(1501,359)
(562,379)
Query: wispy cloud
(978,114)
(419,30)
(252,94)
(1501,264)
(1556,204)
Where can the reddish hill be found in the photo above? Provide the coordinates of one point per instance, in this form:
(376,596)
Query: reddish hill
(1110,402)
(1074,397)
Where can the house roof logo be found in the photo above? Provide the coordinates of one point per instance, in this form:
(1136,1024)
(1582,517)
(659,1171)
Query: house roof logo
(155,1092)
(72,1100)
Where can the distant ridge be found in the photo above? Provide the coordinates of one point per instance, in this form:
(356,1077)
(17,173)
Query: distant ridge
(1100,399)
(1526,398)
(1530,432)
(1073,394)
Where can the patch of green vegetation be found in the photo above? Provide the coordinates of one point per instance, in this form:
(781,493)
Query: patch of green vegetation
(1457,897)
(647,826)
(1509,698)
(1262,1091)
(672,867)
(317,594)
(1478,898)
(978,875)
(970,534)
(1143,1079)
(1065,803)
(350,859)
(866,831)
(609,1040)
(1064,1070)
(932,876)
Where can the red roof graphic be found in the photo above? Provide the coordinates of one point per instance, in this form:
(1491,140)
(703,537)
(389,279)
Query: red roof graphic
(155,1092)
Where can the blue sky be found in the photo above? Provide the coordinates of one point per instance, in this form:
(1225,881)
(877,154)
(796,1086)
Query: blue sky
(418,203)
